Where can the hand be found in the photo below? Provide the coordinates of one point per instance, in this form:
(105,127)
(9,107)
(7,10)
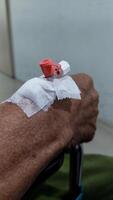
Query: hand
(84,122)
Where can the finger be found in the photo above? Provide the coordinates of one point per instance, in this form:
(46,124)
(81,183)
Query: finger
(90,98)
(83,81)
(87,133)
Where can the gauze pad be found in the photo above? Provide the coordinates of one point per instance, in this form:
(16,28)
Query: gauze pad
(40,93)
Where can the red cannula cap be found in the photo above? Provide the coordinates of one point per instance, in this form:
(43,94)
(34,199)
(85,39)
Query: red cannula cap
(50,68)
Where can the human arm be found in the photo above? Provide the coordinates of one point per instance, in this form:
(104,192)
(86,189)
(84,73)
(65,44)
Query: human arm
(28,144)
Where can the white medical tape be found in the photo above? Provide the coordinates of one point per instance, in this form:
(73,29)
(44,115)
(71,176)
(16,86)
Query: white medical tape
(40,93)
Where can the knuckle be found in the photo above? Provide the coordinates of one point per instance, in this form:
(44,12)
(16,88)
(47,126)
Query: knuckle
(87,78)
(95,96)
(88,136)
(87,133)
(96,112)
(84,80)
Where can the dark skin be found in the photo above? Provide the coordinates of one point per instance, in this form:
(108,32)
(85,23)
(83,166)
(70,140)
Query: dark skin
(28,144)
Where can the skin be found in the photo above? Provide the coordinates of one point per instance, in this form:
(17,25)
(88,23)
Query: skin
(29,144)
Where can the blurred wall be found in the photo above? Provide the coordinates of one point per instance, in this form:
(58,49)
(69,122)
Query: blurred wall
(5,60)
(80,31)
